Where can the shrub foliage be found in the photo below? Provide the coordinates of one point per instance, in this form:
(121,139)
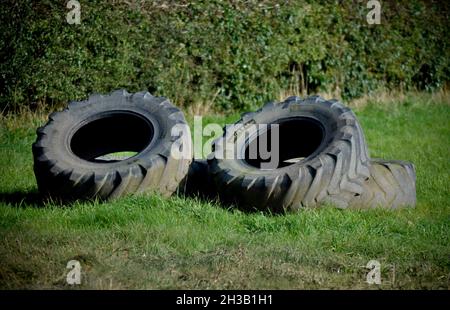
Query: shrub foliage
(236,54)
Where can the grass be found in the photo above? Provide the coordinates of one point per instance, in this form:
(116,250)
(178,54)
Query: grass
(184,243)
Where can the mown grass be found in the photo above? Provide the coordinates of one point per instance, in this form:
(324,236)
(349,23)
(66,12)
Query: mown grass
(152,242)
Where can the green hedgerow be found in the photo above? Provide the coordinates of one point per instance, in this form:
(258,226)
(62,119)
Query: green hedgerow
(236,54)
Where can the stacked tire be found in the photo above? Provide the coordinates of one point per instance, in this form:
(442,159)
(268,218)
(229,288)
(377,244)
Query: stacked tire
(392,184)
(321,156)
(333,164)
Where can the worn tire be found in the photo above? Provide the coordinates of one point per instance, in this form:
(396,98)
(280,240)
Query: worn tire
(198,181)
(391,184)
(68,152)
(333,172)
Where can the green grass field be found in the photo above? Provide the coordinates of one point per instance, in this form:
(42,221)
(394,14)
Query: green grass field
(185,243)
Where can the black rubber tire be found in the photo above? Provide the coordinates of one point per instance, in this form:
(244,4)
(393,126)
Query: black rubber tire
(67,149)
(333,173)
(391,184)
(198,181)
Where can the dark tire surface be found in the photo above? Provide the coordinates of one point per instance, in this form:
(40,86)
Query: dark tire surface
(334,171)
(198,181)
(69,161)
(391,184)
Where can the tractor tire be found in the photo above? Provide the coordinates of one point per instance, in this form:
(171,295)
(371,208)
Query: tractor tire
(323,158)
(198,182)
(72,153)
(391,184)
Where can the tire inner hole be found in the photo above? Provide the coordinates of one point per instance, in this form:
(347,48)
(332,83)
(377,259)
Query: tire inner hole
(112,137)
(298,138)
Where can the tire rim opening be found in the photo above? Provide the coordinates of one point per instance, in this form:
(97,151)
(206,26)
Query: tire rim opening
(111,138)
(298,139)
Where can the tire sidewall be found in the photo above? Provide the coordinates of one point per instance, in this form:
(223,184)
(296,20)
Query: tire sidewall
(325,116)
(61,139)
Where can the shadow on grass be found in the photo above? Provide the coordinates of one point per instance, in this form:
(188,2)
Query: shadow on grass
(33,199)
(24,199)
(228,204)
(198,184)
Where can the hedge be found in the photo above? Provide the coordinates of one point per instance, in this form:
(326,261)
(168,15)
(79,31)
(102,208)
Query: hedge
(234,54)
